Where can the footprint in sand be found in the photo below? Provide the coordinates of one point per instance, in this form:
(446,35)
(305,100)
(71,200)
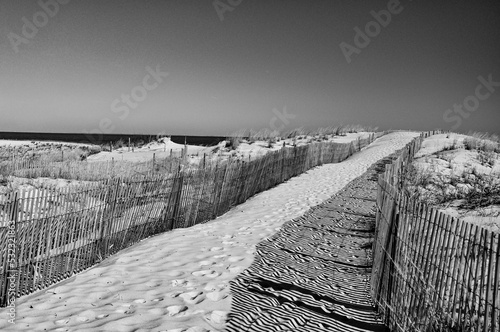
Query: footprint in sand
(193,297)
(85,316)
(62,321)
(140,301)
(234,259)
(206,273)
(176,309)
(215,288)
(220,256)
(206,263)
(216,318)
(236,269)
(124,308)
(183,283)
(216,248)
(178,282)
(216,296)
(82,319)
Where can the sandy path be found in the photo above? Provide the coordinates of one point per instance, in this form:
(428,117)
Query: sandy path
(178,281)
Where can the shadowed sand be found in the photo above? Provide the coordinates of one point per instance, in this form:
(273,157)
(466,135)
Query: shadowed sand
(179,280)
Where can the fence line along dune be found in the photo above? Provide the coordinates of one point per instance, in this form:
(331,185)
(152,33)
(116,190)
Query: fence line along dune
(60,231)
(91,171)
(431,272)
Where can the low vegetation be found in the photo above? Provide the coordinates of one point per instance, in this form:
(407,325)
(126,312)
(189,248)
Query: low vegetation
(69,161)
(461,177)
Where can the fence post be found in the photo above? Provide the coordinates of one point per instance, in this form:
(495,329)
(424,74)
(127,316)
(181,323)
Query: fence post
(219,199)
(394,239)
(387,252)
(282,165)
(108,216)
(177,200)
(294,160)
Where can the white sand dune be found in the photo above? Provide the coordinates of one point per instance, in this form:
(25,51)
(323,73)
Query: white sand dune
(259,148)
(160,148)
(164,146)
(28,143)
(440,166)
(179,280)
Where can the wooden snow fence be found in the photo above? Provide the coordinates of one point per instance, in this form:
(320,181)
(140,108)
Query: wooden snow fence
(89,171)
(431,272)
(48,234)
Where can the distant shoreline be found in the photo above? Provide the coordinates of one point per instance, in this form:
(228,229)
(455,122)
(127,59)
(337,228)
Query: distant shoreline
(106,138)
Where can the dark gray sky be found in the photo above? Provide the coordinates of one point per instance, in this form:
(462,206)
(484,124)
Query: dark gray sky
(75,72)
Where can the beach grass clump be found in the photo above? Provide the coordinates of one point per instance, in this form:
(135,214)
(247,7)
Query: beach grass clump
(472,143)
(263,134)
(483,190)
(233,143)
(474,189)
(482,142)
(295,133)
(487,159)
(234,140)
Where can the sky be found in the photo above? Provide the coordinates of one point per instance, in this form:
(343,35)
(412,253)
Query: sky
(213,67)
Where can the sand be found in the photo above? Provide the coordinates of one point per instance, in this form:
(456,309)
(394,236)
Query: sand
(179,280)
(163,148)
(33,144)
(160,149)
(444,165)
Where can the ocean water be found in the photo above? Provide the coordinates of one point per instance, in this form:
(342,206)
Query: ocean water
(105,138)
